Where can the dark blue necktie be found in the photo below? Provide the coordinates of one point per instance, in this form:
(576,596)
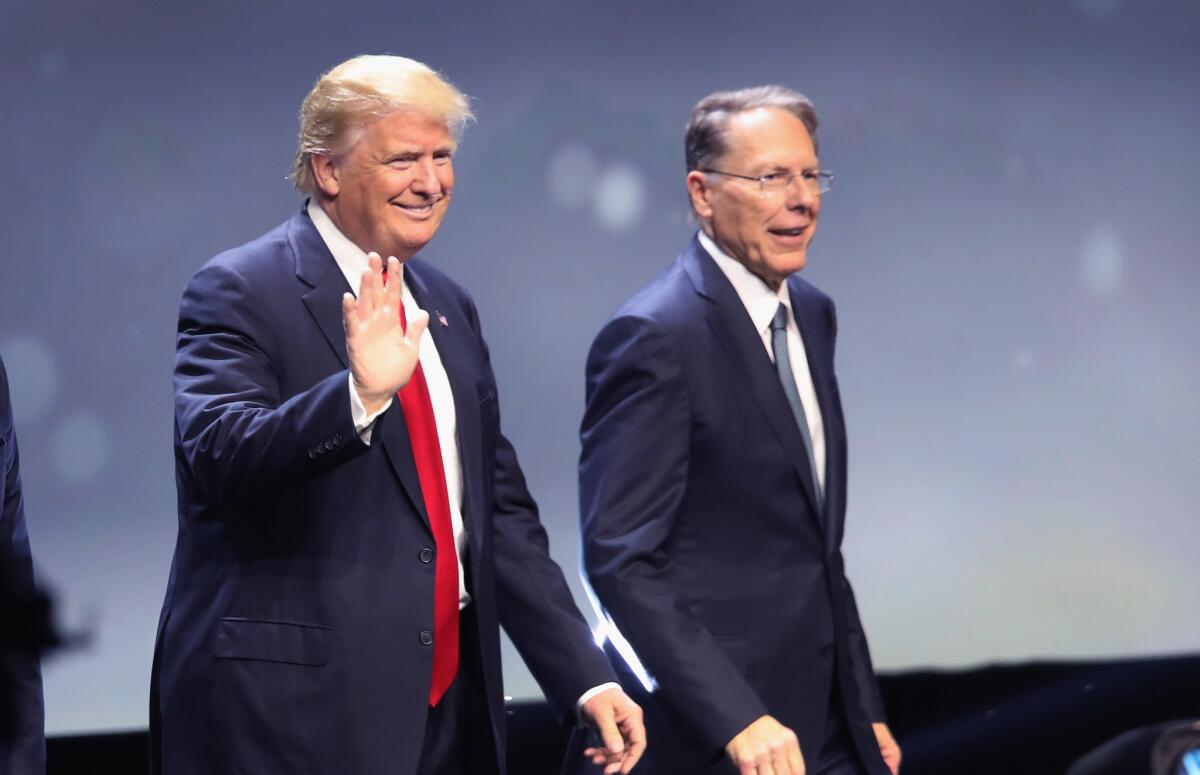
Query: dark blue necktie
(783,365)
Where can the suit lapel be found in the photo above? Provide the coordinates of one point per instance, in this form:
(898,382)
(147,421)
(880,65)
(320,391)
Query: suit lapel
(316,267)
(820,368)
(731,325)
(454,351)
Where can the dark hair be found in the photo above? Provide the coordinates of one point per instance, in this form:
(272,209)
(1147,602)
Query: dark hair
(704,143)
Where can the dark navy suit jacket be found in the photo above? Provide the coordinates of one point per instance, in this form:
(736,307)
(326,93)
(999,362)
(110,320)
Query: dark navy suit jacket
(293,637)
(702,538)
(24,753)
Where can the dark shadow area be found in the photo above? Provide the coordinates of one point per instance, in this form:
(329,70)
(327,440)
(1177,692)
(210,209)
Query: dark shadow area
(1032,719)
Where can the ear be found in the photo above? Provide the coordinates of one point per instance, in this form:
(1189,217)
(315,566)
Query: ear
(699,192)
(325,173)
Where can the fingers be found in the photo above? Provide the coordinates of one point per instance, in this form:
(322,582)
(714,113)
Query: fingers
(794,759)
(350,318)
(366,295)
(374,294)
(635,733)
(612,753)
(416,327)
(376,263)
(766,747)
(779,760)
(610,735)
(618,724)
(391,292)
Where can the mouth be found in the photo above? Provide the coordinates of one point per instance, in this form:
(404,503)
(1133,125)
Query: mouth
(419,211)
(791,236)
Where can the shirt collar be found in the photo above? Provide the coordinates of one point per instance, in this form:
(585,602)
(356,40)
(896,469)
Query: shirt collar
(350,258)
(758,298)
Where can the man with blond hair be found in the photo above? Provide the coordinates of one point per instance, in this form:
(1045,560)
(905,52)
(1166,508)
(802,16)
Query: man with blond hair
(353,525)
(713,473)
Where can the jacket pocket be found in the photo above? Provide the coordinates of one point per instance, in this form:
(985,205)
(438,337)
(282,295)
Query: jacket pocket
(290,643)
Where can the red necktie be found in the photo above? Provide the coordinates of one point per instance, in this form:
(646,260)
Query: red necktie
(427,451)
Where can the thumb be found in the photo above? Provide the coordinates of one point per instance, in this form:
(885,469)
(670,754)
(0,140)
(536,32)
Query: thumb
(609,733)
(416,327)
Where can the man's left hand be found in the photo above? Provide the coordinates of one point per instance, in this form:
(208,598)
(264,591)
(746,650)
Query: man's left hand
(888,748)
(618,721)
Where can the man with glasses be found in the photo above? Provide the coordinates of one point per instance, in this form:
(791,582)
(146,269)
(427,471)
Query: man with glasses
(713,474)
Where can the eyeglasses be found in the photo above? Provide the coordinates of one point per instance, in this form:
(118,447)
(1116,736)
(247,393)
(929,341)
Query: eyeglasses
(816,181)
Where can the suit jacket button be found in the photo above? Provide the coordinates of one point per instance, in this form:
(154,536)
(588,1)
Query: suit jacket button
(312,453)
(425,555)
(426,638)
(337,438)
(328,445)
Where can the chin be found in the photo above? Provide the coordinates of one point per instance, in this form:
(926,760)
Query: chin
(791,264)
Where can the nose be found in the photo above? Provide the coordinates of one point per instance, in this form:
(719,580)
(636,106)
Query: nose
(425,178)
(800,196)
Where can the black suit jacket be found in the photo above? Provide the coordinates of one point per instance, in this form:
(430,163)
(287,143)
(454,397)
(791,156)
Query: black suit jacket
(702,538)
(22,742)
(292,635)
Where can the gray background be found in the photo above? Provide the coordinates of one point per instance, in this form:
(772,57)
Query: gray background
(1011,242)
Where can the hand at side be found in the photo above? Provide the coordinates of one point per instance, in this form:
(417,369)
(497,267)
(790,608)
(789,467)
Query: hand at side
(766,747)
(618,720)
(888,747)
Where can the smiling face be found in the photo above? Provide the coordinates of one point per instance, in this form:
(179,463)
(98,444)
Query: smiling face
(767,232)
(390,191)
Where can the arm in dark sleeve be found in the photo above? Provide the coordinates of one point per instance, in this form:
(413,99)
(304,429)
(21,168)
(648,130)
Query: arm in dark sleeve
(537,609)
(633,476)
(865,683)
(234,429)
(22,744)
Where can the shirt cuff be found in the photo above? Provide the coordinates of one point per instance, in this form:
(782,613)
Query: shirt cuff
(590,693)
(364,424)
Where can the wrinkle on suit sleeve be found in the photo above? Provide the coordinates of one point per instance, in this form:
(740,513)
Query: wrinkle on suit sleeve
(233,428)
(633,477)
(536,607)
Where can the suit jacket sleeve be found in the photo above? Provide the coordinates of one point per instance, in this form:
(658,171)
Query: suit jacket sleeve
(536,607)
(865,682)
(22,746)
(866,685)
(234,429)
(633,478)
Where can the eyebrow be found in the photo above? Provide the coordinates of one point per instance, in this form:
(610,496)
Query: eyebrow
(779,168)
(416,153)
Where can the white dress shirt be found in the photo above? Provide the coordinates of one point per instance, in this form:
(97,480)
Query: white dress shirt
(353,262)
(761,302)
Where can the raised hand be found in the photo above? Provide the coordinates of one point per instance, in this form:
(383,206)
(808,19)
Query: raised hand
(618,720)
(383,356)
(766,747)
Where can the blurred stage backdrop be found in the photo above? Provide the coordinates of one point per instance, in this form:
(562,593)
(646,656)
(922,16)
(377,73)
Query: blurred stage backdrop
(1011,241)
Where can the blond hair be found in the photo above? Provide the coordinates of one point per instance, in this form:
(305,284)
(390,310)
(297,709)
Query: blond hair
(361,90)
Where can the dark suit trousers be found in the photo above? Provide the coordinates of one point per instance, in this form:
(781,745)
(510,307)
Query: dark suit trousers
(458,734)
(837,756)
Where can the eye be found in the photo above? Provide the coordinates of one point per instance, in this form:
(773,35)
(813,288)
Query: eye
(811,174)
(442,157)
(773,178)
(402,162)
